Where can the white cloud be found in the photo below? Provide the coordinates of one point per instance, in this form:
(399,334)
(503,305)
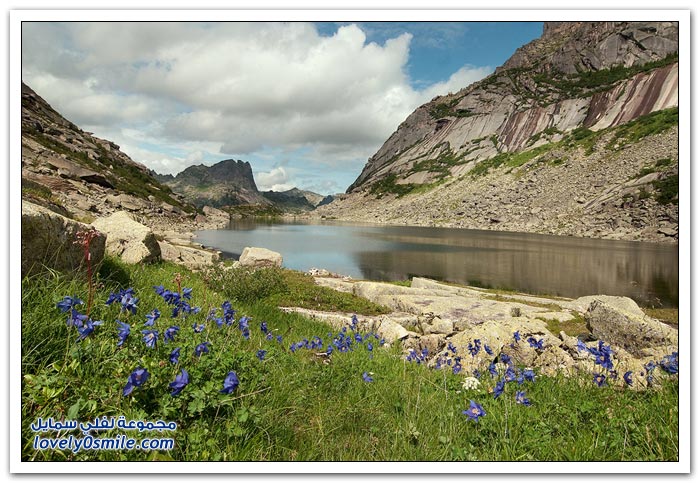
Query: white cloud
(277,179)
(178,93)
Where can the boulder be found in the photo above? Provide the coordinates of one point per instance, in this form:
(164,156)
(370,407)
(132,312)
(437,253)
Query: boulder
(260,257)
(190,257)
(624,304)
(631,330)
(129,239)
(48,241)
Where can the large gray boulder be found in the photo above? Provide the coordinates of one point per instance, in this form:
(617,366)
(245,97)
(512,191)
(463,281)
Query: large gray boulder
(260,257)
(631,330)
(129,239)
(188,256)
(48,241)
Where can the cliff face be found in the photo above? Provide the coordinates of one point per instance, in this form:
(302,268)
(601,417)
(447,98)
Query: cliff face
(563,139)
(579,74)
(226,183)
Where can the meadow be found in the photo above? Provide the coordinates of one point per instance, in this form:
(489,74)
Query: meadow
(245,381)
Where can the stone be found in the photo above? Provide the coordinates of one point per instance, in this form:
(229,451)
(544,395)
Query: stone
(260,257)
(628,329)
(515,312)
(625,304)
(336,284)
(128,239)
(668,230)
(433,342)
(438,326)
(190,257)
(48,242)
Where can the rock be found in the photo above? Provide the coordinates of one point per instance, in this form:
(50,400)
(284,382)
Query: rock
(48,241)
(515,312)
(334,283)
(628,329)
(260,257)
(625,304)
(390,331)
(554,360)
(668,230)
(190,257)
(438,326)
(433,342)
(129,239)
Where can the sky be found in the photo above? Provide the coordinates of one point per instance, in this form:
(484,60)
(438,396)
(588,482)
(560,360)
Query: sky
(305,103)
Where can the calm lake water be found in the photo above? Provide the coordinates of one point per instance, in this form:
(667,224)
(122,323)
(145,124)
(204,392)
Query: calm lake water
(565,266)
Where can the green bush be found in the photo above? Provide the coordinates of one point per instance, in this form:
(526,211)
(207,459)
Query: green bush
(246,284)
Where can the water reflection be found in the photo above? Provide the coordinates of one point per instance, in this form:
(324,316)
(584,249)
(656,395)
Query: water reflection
(554,265)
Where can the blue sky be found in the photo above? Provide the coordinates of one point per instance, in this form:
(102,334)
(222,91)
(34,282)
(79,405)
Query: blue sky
(305,103)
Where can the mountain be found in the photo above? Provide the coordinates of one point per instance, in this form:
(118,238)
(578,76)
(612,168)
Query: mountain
(79,175)
(575,134)
(294,200)
(226,183)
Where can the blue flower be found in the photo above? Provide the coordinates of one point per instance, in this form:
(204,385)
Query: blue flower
(170,333)
(124,331)
(175,356)
(181,380)
(152,317)
(521,399)
(505,358)
(516,336)
(628,377)
(456,368)
(510,375)
(366,377)
(198,327)
(536,344)
(279,339)
(492,370)
(159,289)
(230,383)
(88,328)
(76,318)
(261,354)
(670,363)
(529,375)
(263,327)
(370,347)
(187,293)
(599,379)
(329,350)
(136,379)
(125,298)
(451,347)
(498,388)
(488,349)
(202,348)
(68,303)
(150,337)
(475,411)
(581,346)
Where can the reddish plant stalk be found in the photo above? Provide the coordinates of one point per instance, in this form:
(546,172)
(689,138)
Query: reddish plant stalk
(84,238)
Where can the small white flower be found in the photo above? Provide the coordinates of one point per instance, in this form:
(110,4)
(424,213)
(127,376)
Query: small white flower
(471,383)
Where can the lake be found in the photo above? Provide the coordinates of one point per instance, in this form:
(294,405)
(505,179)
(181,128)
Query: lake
(540,264)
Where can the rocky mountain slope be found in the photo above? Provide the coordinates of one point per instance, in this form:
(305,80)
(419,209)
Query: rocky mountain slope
(226,183)
(295,200)
(78,175)
(563,138)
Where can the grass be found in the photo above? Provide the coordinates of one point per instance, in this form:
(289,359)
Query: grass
(575,327)
(299,406)
(288,288)
(668,316)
